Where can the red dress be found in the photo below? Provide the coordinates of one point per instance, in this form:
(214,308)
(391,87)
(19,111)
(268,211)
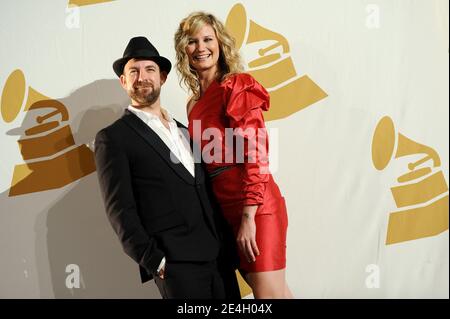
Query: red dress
(238,102)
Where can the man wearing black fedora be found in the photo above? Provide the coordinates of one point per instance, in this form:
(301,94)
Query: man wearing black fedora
(157,198)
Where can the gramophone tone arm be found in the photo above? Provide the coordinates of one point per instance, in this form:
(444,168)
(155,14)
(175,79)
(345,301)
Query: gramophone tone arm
(433,155)
(58,106)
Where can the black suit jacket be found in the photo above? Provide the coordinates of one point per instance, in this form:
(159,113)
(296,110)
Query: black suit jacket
(155,206)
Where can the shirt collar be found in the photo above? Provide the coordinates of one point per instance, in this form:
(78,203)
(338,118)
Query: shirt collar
(149,116)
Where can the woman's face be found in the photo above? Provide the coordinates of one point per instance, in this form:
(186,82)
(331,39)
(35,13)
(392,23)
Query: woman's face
(203,49)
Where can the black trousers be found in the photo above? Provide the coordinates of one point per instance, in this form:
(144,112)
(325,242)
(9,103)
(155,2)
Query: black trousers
(196,280)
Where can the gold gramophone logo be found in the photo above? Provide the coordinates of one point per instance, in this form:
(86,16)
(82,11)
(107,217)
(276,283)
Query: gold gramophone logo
(80,3)
(422,192)
(52,160)
(273,68)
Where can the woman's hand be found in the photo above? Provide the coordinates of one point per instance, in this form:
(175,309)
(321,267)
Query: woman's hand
(246,238)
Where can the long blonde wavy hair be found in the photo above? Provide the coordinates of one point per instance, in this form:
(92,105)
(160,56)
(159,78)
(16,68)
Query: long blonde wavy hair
(229,57)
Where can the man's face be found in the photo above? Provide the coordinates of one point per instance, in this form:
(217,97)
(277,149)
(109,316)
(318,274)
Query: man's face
(142,80)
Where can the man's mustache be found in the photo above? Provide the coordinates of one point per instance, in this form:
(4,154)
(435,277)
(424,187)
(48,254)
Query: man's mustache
(141,86)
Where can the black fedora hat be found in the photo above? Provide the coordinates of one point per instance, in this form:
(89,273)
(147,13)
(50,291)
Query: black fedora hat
(141,48)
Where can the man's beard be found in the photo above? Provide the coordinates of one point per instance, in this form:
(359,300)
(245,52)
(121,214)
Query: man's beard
(141,97)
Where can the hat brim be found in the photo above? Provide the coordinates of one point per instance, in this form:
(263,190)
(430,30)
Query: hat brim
(163,63)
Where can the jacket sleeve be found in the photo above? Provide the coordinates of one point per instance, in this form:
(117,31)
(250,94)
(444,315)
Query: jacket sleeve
(115,183)
(245,101)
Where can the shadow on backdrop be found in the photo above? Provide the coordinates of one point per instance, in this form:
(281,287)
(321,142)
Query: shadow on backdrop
(70,223)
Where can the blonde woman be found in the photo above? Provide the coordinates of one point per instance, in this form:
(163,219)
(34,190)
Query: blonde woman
(224,98)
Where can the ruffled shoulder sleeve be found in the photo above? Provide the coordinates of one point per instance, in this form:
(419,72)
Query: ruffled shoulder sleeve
(242,93)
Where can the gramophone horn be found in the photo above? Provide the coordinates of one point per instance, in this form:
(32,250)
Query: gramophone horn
(384,148)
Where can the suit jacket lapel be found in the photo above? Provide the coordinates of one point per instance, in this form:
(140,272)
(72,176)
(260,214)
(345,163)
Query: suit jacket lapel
(157,144)
(160,147)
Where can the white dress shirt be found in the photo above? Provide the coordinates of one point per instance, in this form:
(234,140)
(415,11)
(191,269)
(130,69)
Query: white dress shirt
(173,138)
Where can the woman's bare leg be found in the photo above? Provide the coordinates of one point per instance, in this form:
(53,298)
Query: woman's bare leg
(269,285)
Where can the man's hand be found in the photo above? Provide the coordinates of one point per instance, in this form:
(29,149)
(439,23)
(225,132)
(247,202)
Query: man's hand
(161,272)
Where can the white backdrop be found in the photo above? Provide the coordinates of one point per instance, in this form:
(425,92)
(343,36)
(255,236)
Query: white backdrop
(371,59)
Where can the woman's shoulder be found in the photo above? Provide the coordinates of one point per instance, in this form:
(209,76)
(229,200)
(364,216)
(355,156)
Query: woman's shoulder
(242,94)
(243,83)
(238,80)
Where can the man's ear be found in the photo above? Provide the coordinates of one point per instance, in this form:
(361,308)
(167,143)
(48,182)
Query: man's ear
(123,81)
(163,75)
